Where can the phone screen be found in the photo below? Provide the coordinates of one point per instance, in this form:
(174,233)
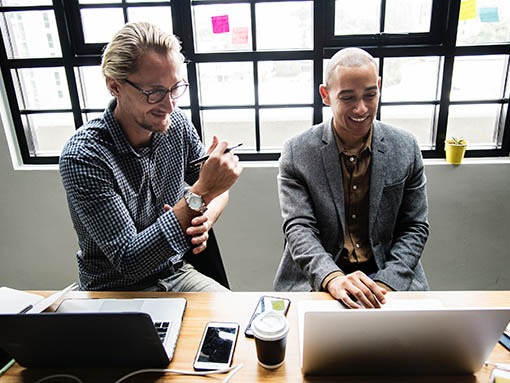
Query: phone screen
(267,303)
(217,346)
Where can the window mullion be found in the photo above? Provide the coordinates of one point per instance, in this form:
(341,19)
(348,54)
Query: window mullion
(67,53)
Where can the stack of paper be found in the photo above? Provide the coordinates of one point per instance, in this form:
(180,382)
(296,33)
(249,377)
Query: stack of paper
(14,301)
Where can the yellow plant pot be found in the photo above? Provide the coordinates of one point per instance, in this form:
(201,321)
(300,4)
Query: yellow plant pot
(454,152)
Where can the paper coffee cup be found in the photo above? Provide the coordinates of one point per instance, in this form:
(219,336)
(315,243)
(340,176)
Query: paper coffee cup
(270,331)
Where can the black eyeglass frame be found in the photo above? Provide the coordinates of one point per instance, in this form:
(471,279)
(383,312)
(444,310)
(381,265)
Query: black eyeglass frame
(148,93)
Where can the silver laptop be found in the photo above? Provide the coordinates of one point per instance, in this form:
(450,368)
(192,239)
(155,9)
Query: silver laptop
(166,313)
(430,340)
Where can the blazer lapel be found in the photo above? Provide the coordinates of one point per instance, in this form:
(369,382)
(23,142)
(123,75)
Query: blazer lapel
(332,169)
(378,174)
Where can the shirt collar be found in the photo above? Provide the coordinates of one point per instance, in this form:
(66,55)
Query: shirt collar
(367,145)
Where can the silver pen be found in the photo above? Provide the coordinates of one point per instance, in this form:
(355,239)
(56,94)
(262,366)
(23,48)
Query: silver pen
(205,158)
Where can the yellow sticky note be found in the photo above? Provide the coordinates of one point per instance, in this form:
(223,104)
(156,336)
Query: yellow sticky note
(467,9)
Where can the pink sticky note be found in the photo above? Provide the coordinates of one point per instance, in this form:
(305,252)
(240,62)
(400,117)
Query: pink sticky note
(240,35)
(220,24)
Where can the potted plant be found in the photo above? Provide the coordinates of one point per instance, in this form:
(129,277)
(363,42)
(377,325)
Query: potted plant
(455,149)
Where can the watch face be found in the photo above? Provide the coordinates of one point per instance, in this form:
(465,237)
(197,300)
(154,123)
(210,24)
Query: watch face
(195,202)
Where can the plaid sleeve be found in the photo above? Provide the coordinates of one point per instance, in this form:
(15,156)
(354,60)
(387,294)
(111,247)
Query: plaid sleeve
(103,216)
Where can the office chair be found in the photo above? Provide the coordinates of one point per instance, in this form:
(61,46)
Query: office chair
(209,261)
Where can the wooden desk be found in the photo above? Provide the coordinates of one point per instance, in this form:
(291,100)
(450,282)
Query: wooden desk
(238,306)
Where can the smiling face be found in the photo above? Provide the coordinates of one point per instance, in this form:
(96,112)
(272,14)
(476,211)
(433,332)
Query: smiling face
(137,117)
(353,95)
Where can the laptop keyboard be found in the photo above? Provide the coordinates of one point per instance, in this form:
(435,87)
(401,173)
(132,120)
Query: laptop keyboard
(162,329)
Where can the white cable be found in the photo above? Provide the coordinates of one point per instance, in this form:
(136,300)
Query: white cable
(499,366)
(75,378)
(233,372)
(234,369)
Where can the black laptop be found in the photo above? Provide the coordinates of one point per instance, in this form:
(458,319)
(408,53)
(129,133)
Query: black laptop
(92,339)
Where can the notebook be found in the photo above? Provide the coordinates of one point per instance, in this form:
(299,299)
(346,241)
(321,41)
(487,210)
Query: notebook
(96,333)
(430,340)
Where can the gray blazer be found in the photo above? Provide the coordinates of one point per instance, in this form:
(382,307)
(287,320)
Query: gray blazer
(312,203)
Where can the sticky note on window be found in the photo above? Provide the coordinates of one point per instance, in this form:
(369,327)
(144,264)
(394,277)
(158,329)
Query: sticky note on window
(467,9)
(220,24)
(489,15)
(240,35)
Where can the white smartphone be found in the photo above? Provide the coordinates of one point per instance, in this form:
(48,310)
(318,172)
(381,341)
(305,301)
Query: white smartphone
(267,303)
(216,349)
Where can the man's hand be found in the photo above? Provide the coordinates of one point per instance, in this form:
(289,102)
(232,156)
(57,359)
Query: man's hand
(358,286)
(218,173)
(199,231)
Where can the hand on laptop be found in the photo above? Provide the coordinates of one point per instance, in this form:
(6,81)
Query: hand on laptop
(357,290)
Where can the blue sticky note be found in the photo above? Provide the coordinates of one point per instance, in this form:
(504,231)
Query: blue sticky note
(489,15)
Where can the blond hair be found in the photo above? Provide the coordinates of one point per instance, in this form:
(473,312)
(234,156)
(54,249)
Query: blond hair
(349,58)
(121,55)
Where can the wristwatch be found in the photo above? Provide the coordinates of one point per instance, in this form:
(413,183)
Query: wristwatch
(195,202)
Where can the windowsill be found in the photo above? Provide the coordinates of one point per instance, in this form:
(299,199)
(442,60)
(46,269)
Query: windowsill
(469,161)
(274,164)
(36,167)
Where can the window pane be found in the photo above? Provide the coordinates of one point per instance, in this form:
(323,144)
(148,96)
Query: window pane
(233,125)
(86,117)
(285,82)
(49,132)
(187,112)
(410,79)
(30,34)
(220,28)
(284,25)
(226,83)
(92,87)
(508,83)
(357,17)
(184,100)
(99,1)
(478,124)
(327,114)
(160,16)
(277,125)
(110,20)
(468,83)
(41,88)
(25,2)
(404,16)
(487,22)
(417,119)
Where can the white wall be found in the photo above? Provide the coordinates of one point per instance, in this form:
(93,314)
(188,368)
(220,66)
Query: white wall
(467,248)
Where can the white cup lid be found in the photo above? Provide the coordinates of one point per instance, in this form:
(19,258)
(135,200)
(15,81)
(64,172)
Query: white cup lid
(271,325)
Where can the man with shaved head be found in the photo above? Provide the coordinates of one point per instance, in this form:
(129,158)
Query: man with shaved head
(353,196)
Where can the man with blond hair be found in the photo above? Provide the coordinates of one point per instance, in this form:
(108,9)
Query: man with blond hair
(125,174)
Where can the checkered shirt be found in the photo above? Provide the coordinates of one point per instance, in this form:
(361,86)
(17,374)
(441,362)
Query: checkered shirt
(116,195)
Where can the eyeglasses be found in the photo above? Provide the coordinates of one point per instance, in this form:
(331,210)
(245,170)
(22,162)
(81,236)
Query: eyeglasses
(157,95)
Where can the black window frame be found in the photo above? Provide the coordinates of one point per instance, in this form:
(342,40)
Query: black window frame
(440,41)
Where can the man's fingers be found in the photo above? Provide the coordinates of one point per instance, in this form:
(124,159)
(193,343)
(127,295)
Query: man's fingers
(347,300)
(196,240)
(365,297)
(199,249)
(376,291)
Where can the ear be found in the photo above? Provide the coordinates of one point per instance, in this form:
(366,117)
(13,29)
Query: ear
(113,86)
(324,94)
